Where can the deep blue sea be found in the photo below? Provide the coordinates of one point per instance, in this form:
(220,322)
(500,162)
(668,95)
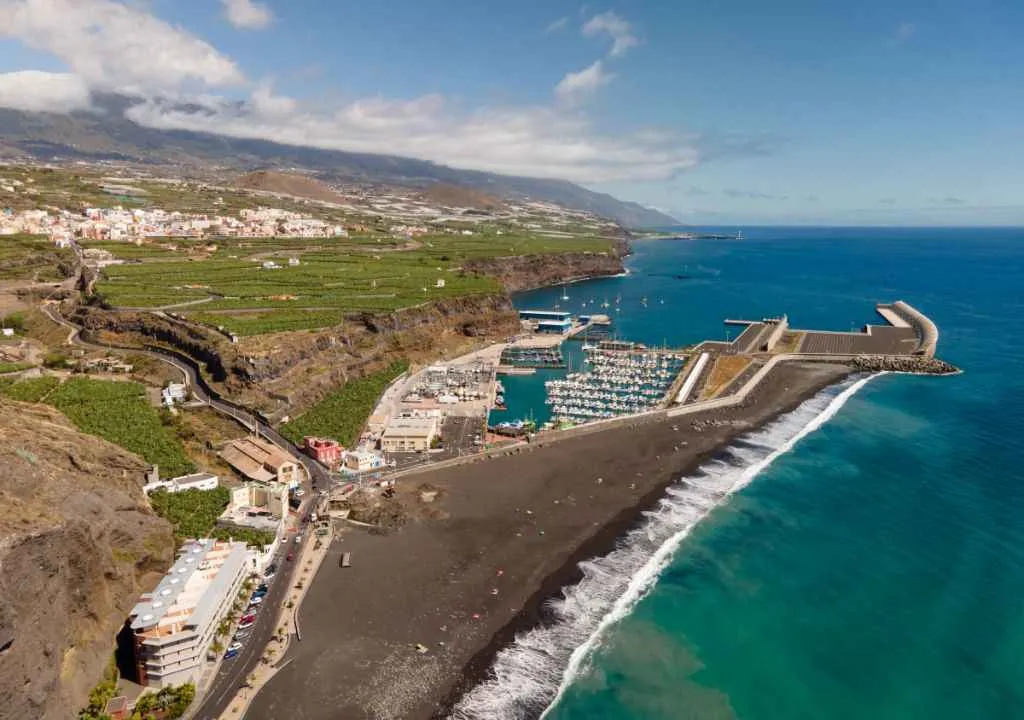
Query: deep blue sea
(862,557)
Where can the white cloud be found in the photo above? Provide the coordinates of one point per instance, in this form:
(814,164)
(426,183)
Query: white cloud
(177,79)
(617,28)
(578,85)
(112,46)
(557,25)
(537,141)
(247,14)
(36,91)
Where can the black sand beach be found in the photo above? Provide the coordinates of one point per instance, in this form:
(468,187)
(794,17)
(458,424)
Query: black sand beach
(476,564)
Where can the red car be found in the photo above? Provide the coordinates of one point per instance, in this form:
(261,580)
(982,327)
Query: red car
(291,556)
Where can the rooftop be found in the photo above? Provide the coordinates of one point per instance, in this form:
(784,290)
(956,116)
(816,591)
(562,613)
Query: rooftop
(188,592)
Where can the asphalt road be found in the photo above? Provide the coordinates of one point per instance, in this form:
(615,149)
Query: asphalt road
(232,674)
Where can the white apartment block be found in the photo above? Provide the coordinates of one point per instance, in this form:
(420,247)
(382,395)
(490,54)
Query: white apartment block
(175,624)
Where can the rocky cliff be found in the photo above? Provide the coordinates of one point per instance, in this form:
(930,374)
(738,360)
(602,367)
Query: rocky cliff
(78,543)
(525,272)
(286,372)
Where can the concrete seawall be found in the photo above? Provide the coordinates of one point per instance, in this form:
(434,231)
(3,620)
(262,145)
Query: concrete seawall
(927,331)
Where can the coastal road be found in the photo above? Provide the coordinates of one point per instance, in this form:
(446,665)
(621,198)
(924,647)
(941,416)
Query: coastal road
(232,674)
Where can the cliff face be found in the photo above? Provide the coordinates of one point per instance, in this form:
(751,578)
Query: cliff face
(285,372)
(526,272)
(78,543)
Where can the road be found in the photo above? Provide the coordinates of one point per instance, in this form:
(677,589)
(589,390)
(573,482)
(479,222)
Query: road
(233,673)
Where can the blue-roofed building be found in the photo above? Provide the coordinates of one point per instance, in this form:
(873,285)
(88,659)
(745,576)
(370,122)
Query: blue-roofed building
(175,625)
(554,326)
(545,315)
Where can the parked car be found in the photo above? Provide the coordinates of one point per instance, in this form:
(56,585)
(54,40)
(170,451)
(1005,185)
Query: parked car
(298,538)
(291,556)
(230,654)
(242,635)
(270,572)
(263,587)
(255,600)
(235,646)
(259,593)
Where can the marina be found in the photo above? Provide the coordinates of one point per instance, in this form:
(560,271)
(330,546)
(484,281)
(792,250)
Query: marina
(617,379)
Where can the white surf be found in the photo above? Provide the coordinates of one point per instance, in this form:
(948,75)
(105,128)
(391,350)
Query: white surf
(530,676)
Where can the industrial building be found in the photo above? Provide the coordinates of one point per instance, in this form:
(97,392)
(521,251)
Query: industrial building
(409,434)
(174,626)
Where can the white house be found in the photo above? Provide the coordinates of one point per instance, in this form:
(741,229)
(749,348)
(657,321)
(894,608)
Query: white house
(174,393)
(195,481)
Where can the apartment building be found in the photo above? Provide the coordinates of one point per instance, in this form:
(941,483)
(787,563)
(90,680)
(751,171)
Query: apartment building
(174,626)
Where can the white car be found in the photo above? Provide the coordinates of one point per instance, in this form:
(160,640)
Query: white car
(299,492)
(255,600)
(236,646)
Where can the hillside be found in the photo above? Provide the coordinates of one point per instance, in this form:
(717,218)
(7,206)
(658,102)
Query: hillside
(287,184)
(455,196)
(109,135)
(78,543)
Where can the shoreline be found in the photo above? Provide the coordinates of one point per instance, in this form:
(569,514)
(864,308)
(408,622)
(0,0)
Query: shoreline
(440,587)
(602,542)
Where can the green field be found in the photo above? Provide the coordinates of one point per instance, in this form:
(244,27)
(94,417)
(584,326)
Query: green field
(342,414)
(335,277)
(32,257)
(120,413)
(29,389)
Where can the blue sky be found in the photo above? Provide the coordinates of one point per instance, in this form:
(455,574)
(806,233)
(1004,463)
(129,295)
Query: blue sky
(718,111)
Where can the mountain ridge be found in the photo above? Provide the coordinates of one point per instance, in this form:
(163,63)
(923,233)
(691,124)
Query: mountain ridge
(108,135)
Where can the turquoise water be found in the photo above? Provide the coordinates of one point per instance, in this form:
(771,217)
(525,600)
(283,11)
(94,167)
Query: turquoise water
(876,569)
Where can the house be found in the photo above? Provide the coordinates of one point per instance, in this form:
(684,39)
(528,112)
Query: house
(8,332)
(409,434)
(293,262)
(174,393)
(360,461)
(174,626)
(195,481)
(259,460)
(439,283)
(270,265)
(323,450)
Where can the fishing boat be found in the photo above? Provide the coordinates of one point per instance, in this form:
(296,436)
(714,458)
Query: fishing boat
(565,295)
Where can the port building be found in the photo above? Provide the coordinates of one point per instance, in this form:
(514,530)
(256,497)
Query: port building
(409,434)
(174,626)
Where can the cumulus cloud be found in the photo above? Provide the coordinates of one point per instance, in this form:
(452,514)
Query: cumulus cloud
(247,14)
(578,85)
(178,80)
(542,142)
(617,28)
(36,91)
(117,47)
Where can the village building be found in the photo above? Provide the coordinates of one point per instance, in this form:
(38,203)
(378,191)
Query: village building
(173,394)
(195,481)
(174,626)
(323,450)
(361,461)
(259,460)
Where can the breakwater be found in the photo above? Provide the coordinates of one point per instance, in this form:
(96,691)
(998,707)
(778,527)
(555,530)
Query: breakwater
(917,364)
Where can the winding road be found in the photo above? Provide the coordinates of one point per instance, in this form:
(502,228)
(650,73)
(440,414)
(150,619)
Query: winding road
(232,674)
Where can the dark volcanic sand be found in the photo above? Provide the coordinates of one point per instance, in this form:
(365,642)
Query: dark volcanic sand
(424,583)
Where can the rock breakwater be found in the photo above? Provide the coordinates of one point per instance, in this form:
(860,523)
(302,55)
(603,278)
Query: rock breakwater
(920,365)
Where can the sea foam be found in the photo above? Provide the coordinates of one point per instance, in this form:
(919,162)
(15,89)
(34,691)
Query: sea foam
(530,676)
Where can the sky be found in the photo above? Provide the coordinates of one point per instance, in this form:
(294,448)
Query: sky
(719,112)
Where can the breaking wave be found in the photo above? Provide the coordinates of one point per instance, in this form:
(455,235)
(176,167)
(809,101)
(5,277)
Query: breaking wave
(530,676)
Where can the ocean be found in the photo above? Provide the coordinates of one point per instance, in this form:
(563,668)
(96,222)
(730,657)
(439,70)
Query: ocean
(862,556)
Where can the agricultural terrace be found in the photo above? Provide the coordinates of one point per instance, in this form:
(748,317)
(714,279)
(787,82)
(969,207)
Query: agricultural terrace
(119,412)
(28,389)
(223,282)
(31,257)
(342,414)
